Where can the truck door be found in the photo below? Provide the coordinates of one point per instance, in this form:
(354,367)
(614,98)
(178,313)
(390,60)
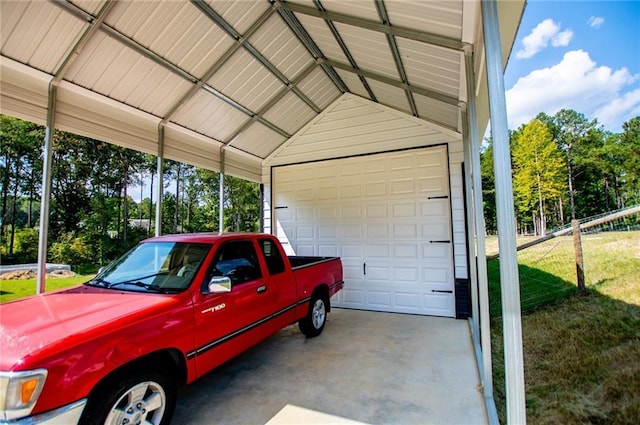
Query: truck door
(281,279)
(231,322)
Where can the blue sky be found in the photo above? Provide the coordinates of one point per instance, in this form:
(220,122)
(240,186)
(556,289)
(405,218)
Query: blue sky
(582,55)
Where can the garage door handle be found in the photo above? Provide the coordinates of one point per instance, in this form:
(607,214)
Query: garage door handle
(442,291)
(364,268)
(439,241)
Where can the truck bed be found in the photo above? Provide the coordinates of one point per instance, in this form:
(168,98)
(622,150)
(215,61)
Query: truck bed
(298,262)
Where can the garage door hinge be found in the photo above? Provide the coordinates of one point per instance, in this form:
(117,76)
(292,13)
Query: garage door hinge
(442,291)
(280,208)
(439,241)
(438,197)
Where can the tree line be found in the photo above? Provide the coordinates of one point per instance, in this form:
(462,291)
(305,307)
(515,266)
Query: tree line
(566,167)
(93,217)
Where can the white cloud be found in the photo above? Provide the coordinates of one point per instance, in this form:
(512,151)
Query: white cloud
(544,33)
(595,21)
(575,83)
(619,110)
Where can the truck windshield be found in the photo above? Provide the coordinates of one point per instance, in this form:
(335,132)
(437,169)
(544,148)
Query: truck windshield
(163,267)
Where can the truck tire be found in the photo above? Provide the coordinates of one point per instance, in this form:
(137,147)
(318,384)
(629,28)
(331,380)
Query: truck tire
(147,397)
(313,324)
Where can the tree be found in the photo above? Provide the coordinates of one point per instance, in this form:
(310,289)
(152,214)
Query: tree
(20,171)
(242,205)
(537,173)
(630,146)
(573,132)
(488,188)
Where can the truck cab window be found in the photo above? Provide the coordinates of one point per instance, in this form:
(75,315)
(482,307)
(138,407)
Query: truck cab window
(238,261)
(272,256)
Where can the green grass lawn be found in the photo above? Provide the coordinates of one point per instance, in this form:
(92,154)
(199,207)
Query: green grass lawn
(581,352)
(19,288)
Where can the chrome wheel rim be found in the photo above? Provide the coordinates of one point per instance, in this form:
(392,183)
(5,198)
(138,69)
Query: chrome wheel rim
(143,403)
(318,314)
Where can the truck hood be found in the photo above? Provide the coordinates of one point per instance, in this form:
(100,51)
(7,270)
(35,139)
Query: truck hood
(39,322)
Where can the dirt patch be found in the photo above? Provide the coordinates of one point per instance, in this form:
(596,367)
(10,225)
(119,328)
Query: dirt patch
(31,274)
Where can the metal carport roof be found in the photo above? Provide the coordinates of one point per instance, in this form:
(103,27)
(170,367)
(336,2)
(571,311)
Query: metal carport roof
(244,76)
(225,85)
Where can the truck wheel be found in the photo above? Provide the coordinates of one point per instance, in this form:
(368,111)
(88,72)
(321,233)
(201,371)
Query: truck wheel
(144,398)
(313,324)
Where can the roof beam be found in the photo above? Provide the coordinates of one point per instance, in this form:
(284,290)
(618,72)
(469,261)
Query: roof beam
(92,28)
(454,101)
(216,67)
(226,27)
(347,53)
(132,44)
(307,41)
(436,40)
(384,17)
(258,116)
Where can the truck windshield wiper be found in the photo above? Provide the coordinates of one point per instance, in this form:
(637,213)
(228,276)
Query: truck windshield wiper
(99,282)
(137,282)
(148,286)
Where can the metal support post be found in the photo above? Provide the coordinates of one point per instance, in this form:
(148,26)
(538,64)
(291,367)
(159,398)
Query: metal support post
(221,200)
(484,318)
(512,326)
(46,187)
(160,172)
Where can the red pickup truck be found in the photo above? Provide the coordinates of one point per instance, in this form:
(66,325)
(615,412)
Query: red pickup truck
(114,350)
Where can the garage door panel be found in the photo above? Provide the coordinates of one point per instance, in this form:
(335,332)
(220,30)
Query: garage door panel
(402,186)
(379,298)
(404,231)
(434,232)
(406,275)
(301,195)
(328,250)
(373,250)
(433,186)
(404,209)
(374,165)
(380,214)
(434,208)
(408,301)
(438,302)
(375,189)
(374,210)
(351,191)
(377,230)
(436,252)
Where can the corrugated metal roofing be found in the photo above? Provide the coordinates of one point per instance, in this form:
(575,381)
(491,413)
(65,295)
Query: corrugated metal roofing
(245,76)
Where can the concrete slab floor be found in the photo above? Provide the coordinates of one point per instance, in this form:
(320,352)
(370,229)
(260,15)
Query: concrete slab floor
(375,368)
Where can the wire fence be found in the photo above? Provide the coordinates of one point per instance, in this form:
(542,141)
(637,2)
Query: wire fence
(547,266)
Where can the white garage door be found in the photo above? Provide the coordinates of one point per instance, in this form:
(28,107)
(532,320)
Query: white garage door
(387,216)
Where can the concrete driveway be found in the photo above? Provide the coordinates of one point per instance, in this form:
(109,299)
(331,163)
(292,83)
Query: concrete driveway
(375,368)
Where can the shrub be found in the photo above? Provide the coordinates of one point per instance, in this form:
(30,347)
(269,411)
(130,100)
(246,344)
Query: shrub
(70,249)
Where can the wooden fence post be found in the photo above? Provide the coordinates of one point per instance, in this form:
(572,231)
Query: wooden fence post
(577,247)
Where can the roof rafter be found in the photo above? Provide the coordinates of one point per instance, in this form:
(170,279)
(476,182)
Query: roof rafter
(347,53)
(258,117)
(226,27)
(454,101)
(384,17)
(436,40)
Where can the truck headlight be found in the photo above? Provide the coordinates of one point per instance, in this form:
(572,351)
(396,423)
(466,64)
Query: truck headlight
(19,392)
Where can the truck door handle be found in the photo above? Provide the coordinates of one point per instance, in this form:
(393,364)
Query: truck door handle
(262,289)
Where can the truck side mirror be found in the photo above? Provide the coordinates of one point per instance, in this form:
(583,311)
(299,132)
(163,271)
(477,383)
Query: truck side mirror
(219,285)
